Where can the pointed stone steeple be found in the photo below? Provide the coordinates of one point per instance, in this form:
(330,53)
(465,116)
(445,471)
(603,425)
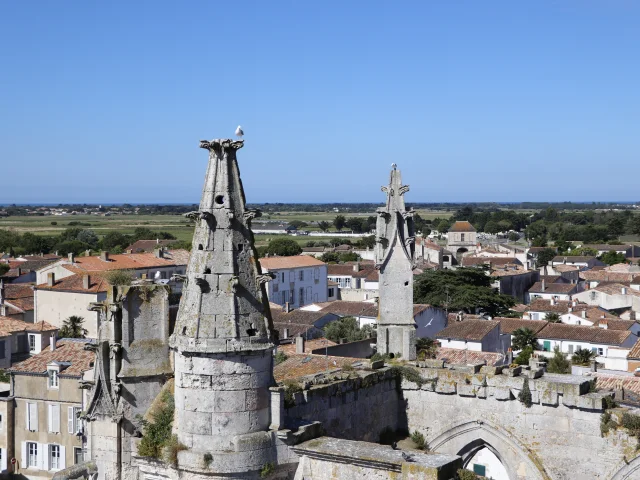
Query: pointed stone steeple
(223,306)
(222,337)
(394,256)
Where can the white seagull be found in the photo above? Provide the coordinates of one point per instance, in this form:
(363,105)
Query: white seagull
(239,132)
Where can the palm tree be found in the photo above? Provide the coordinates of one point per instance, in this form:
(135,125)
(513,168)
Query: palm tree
(426,348)
(522,338)
(552,317)
(72,328)
(583,356)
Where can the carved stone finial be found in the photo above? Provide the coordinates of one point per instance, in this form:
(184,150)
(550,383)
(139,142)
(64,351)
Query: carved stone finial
(176,277)
(403,189)
(251,213)
(202,283)
(265,277)
(195,215)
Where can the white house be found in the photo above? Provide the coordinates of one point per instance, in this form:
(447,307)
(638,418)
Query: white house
(555,291)
(297,280)
(610,296)
(472,334)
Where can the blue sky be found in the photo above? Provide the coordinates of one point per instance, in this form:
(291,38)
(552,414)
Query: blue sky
(475,101)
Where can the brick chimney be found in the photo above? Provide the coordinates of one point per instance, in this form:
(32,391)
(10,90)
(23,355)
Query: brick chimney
(300,345)
(285,333)
(71,257)
(104,256)
(86,282)
(51,279)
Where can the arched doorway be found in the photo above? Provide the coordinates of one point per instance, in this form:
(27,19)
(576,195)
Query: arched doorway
(628,471)
(474,440)
(483,459)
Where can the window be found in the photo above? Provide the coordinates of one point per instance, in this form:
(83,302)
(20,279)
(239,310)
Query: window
(53,417)
(462,237)
(53,379)
(302,275)
(301,296)
(570,348)
(282,277)
(316,273)
(600,351)
(54,457)
(479,469)
(32,343)
(78,455)
(32,454)
(2,352)
(285,297)
(32,417)
(73,422)
(330,293)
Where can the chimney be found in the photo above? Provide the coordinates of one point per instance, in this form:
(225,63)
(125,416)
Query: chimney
(574,303)
(104,256)
(19,271)
(3,310)
(157,241)
(285,333)
(51,279)
(86,282)
(1,292)
(87,253)
(594,366)
(71,257)
(299,344)
(632,315)
(584,314)
(130,251)
(553,301)
(624,290)
(52,341)
(603,324)
(356,267)
(287,307)
(159,253)
(544,284)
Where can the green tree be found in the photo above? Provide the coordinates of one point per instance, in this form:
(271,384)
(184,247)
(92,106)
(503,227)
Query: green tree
(339,222)
(298,224)
(513,237)
(523,338)
(634,225)
(283,247)
(582,356)
(87,236)
(426,348)
(72,327)
(584,252)
(612,258)
(347,328)
(545,256)
(524,356)
(558,363)
(324,226)
(491,227)
(115,239)
(525,394)
(443,226)
(329,257)
(552,317)
(4,268)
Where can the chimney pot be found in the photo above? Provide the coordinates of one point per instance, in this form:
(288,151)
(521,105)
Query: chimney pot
(71,257)
(86,282)
(52,341)
(130,251)
(104,256)
(300,345)
(584,314)
(286,333)
(51,279)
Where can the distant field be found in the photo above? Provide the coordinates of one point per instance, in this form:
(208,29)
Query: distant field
(329,216)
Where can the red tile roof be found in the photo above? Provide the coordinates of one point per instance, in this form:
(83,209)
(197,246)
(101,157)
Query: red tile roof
(471,329)
(580,333)
(296,261)
(476,260)
(10,325)
(75,283)
(309,345)
(561,288)
(462,226)
(148,245)
(66,351)
(457,356)
(510,325)
(130,261)
(297,366)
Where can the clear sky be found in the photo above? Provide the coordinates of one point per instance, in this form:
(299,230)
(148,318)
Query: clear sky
(474,100)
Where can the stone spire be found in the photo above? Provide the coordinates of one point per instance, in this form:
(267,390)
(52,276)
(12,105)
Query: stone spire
(224,305)
(394,256)
(222,337)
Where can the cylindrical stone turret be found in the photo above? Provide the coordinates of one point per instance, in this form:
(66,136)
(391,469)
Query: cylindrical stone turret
(222,337)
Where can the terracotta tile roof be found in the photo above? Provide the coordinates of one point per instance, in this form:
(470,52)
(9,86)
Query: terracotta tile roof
(343,248)
(10,325)
(74,283)
(566,268)
(540,249)
(616,323)
(462,226)
(476,260)
(561,331)
(345,308)
(129,261)
(301,317)
(67,350)
(617,382)
(520,308)
(17,290)
(606,276)
(313,249)
(290,348)
(296,261)
(297,366)
(561,306)
(348,270)
(509,270)
(45,256)
(428,243)
(374,276)
(456,356)
(148,245)
(562,288)
(509,325)
(616,289)
(623,267)
(293,329)
(471,329)
(635,280)
(551,278)
(635,351)
(24,304)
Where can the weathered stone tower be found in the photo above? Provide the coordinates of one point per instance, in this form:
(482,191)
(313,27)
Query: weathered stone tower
(394,255)
(222,338)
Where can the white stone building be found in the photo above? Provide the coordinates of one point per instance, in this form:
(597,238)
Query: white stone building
(297,280)
(472,334)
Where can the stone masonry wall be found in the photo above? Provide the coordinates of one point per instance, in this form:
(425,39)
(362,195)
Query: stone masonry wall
(356,408)
(558,437)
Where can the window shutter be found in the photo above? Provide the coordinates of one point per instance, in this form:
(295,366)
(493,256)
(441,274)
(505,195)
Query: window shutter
(34,410)
(23,462)
(56,418)
(50,418)
(3,462)
(70,420)
(43,456)
(63,456)
(27,410)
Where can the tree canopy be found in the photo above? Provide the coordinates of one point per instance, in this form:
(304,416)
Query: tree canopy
(523,338)
(466,289)
(284,247)
(347,328)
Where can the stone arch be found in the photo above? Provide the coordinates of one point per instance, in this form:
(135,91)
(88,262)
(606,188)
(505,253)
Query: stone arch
(467,438)
(628,471)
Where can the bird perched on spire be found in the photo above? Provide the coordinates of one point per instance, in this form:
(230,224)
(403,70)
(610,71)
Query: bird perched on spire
(239,132)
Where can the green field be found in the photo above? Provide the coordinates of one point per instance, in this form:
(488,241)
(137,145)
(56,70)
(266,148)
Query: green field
(329,216)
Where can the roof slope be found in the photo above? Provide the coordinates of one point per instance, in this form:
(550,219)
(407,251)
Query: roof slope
(472,329)
(580,333)
(462,226)
(295,261)
(68,350)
